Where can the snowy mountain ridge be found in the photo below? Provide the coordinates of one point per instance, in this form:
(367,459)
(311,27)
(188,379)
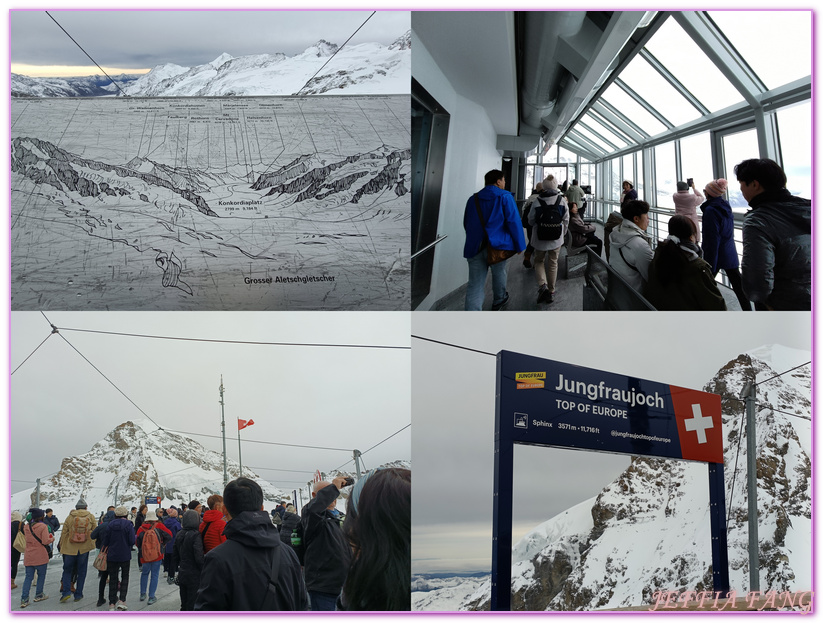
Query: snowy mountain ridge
(362,69)
(650,530)
(136,460)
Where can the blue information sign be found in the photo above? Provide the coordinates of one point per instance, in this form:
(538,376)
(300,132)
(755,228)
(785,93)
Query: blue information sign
(155,500)
(547,403)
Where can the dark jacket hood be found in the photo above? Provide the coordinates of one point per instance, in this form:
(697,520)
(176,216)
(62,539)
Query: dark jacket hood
(191,520)
(253,529)
(109,517)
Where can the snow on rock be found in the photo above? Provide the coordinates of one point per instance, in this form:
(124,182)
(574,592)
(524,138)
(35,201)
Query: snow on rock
(367,68)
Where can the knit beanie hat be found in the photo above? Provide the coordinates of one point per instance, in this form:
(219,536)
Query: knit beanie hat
(716,188)
(81,503)
(15,516)
(37,513)
(550,183)
(121,511)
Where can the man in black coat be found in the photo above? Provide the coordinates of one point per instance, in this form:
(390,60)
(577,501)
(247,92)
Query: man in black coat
(327,552)
(777,239)
(240,573)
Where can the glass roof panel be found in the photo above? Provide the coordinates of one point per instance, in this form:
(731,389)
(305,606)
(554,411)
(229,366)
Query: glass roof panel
(603,131)
(676,50)
(564,155)
(644,80)
(621,100)
(776,44)
(586,133)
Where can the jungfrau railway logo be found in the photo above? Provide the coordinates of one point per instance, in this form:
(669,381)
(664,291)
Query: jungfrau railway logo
(530,380)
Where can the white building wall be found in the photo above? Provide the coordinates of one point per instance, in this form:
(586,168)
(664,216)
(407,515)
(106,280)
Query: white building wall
(470,153)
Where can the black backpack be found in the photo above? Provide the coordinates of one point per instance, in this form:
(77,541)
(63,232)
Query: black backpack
(549,218)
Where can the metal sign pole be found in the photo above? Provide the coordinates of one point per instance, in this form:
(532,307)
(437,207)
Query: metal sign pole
(717,514)
(501,596)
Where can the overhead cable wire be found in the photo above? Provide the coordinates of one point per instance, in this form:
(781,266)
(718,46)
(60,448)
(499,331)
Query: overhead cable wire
(110,382)
(387,438)
(736,456)
(277,469)
(336,51)
(87,54)
(268,443)
(373,447)
(32,352)
(252,343)
(771,378)
(474,350)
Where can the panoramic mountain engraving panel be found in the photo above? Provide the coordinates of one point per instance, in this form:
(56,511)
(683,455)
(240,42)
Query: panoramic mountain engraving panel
(261,203)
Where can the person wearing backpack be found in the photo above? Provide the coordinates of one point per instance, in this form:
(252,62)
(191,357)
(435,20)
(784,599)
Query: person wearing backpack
(75,544)
(252,570)
(549,218)
(36,557)
(491,221)
(188,551)
(151,543)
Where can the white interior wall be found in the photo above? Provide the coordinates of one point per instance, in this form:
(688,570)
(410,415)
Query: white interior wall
(470,153)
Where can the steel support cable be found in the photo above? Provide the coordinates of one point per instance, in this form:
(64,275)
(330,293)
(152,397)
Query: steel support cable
(374,446)
(194,339)
(335,54)
(474,350)
(268,443)
(771,378)
(111,382)
(86,53)
(32,352)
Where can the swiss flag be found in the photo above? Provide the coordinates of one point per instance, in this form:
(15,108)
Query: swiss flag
(241,424)
(699,424)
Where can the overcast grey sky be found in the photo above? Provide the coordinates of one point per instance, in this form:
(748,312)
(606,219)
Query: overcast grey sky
(333,397)
(453,409)
(144,39)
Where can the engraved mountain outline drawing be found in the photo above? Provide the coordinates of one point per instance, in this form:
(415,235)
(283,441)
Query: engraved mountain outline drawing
(213,192)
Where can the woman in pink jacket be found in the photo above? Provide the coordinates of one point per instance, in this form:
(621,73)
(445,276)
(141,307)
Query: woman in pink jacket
(686,203)
(36,556)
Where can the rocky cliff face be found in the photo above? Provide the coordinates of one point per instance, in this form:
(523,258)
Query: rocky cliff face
(649,530)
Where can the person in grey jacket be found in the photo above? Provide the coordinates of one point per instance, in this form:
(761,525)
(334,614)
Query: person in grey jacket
(631,252)
(777,239)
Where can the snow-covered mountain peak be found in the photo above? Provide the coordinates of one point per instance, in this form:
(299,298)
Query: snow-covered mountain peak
(321,48)
(220,60)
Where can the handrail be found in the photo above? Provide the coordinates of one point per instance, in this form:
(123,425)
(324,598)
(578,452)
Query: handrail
(429,246)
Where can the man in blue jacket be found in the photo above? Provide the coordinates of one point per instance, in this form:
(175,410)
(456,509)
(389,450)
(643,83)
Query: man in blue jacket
(504,230)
